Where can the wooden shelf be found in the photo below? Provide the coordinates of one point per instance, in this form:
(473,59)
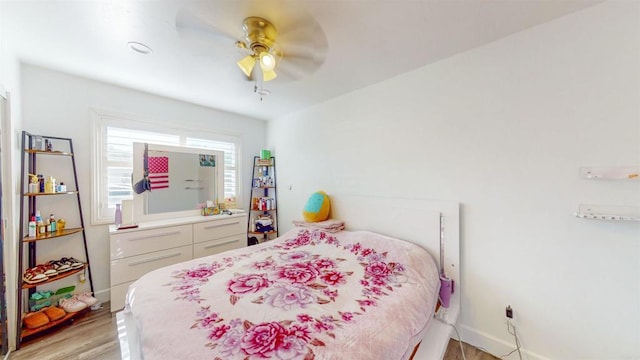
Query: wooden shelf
(263,233)
(53,278)
(52,235)
(28,332)
(263,192)
(44,152)
(261,163)
(51,194)
(29,246)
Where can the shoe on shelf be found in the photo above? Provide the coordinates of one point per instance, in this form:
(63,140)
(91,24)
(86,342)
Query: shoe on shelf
(35,320)
(86,298)
(49,269)
(59,266)
(34,275)
(72,262)
(72,305)
(54,313)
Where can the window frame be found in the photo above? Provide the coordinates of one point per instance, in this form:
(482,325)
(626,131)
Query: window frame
(101,119)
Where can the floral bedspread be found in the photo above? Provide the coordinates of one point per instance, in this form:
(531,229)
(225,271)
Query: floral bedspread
(306,295)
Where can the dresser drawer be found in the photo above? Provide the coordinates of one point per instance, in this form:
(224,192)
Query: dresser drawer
(131,268)
(144,241)
(218,229)
(219,245)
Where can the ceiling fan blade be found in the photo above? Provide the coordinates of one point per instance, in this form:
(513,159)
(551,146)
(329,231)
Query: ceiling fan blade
(301,62)
(303,45)
(193,23)
(296,69)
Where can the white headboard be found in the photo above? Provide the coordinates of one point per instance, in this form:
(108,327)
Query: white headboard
(414,220)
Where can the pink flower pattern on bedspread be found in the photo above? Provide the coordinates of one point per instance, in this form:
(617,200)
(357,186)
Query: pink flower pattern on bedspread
(291,278)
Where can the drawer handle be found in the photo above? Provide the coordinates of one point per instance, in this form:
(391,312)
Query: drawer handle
(154,235)
(153,259)
(221,225)
(218,244)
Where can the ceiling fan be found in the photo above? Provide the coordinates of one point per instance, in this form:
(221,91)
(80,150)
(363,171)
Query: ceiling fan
(260,36)
(277,39)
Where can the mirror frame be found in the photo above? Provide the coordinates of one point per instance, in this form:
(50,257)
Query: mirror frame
(140,200)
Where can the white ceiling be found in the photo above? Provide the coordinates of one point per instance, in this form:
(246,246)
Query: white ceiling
(367,41)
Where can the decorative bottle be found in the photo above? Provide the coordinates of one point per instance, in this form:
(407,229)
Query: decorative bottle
(49,185)
(118,215)
(52,223)
(60,224)
(42,229)
(32,227)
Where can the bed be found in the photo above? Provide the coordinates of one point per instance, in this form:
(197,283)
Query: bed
(368,292)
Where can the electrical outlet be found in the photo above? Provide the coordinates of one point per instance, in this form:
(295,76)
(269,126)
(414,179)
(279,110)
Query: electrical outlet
(509,312)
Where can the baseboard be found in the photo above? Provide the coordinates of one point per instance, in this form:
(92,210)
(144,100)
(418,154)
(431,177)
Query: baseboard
(493,345)
(103,295)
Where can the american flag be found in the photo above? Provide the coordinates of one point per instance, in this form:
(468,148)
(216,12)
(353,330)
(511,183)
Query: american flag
(159,172)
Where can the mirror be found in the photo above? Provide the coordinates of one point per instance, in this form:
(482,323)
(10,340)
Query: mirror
(182,179)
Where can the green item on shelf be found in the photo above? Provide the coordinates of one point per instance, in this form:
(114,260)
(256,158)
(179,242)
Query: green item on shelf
(64,290)
(39,295)
(40,305)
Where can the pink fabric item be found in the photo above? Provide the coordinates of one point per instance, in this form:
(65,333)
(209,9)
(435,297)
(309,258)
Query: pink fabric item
(307,295)
(331,225)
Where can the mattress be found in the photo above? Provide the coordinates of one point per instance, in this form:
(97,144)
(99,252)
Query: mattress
(305,295)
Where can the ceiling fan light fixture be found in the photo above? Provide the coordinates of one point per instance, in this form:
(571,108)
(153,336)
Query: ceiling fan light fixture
(246,64)
(268,75)
(267,61)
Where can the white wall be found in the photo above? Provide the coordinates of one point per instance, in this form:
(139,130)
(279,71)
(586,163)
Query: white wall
(10,82)
(57,104)
(504,129)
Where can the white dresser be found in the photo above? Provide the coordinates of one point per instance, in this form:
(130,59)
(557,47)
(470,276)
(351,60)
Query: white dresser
(154,244)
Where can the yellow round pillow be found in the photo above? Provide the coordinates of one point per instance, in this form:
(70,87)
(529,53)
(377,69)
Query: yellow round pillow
(317,207)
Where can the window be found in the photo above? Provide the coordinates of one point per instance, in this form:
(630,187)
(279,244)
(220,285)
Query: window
(113,159)
(230,168)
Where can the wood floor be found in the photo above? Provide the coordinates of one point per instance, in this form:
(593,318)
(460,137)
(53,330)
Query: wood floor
(95,337)
(92,337)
